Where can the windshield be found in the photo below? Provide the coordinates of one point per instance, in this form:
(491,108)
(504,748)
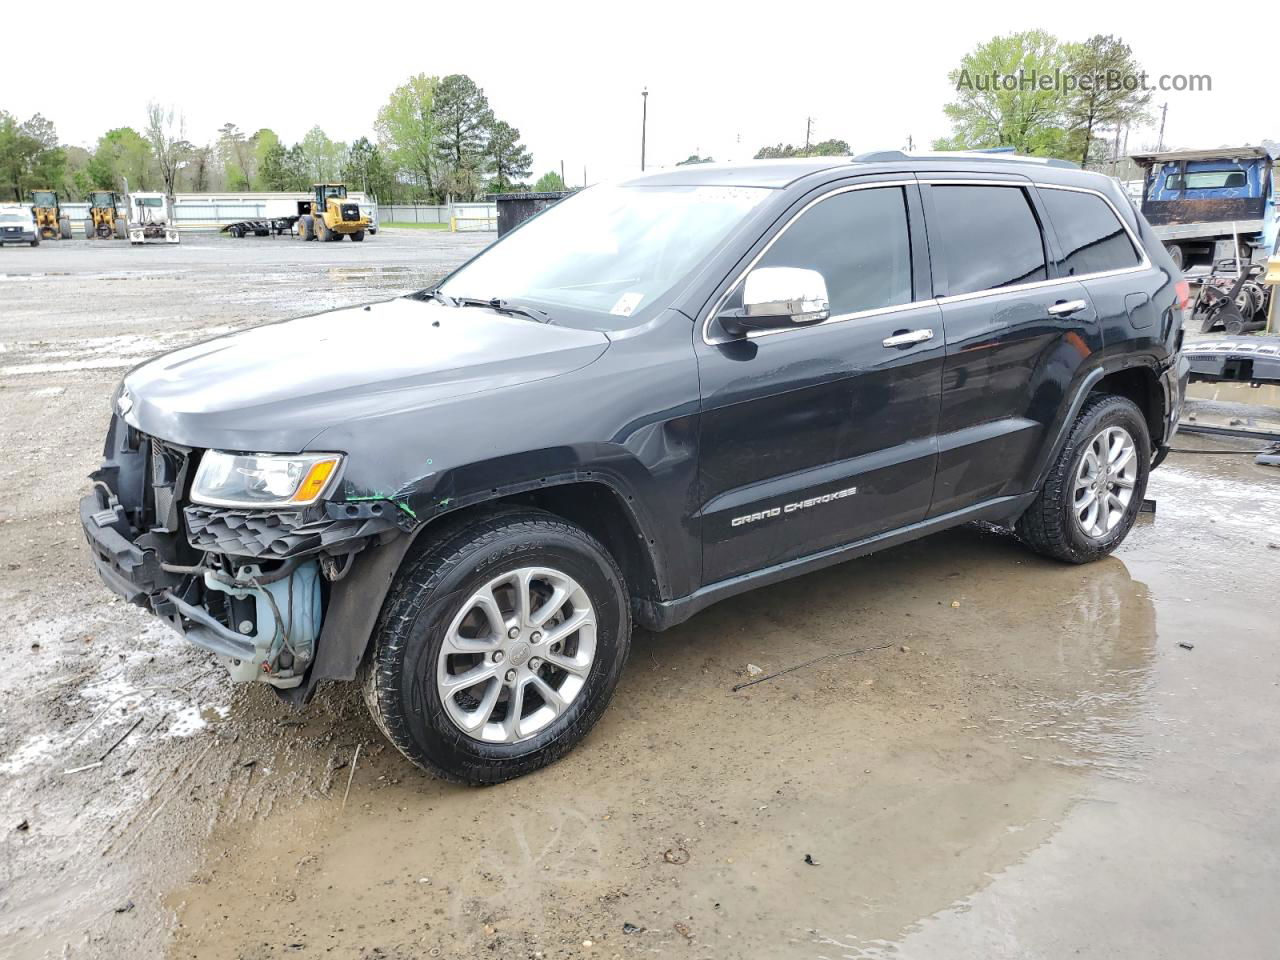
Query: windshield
(608,250)
(12,217)
(339,192)
(100,199)
(43,198)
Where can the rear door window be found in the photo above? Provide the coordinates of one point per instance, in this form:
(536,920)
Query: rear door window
(1092,238)
(988,237)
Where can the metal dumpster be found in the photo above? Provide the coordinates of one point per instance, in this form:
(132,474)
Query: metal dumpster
(515,208)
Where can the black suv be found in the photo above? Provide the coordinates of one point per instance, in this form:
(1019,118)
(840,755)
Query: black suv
(653,396)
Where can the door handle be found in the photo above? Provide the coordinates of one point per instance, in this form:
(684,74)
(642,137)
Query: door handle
(1064,308)
(908,338)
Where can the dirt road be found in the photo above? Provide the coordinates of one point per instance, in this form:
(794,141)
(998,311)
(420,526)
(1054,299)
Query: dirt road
(1030,765)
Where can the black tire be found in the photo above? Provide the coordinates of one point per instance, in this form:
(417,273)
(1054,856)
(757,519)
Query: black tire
(1175,254)
(64,228)
(306,227)
(88,229)
(1049,526)
(358,236)
(397,677)
(35,242)
(121,229)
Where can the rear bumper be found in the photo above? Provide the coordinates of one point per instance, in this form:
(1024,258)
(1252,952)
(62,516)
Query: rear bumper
(23,236)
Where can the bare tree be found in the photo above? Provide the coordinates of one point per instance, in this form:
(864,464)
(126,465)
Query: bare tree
(166,131)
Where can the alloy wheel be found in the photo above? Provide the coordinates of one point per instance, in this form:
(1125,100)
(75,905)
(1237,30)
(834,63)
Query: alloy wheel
(517,655)
(1105,481)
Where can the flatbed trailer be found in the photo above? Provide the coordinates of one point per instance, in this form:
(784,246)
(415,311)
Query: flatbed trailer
(274,226)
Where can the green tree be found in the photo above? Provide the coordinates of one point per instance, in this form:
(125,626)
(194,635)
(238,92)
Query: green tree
(549,182)
(463,118)
(273,168)
(166,132)
(1093,105)
(365,169)
(264,143)
(297,168)
(826,148)
(829,148)
(122,155)
(30,157)
(508,157)
(694,158)
(999,103)
(323,156)
(406,129)
(236,153)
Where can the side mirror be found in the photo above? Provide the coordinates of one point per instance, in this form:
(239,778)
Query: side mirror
(777,298)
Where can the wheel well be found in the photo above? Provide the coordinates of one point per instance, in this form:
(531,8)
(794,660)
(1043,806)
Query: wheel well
(597,509)
(1142,387)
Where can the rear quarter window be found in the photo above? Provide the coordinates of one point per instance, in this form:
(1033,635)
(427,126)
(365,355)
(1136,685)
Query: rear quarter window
(988,237)
(1091,236)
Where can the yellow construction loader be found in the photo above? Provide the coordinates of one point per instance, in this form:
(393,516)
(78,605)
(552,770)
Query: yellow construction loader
(50,223)
(330,215)
(105,219)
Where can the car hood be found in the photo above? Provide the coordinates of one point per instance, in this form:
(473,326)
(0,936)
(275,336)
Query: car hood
(276,387)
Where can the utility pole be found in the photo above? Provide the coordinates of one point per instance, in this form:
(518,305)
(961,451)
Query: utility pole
(1164,111)
(808,128)
(563,184)
(644,122)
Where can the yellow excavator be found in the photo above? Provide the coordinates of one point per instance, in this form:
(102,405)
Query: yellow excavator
(105,220)
(50,223)
(329,215)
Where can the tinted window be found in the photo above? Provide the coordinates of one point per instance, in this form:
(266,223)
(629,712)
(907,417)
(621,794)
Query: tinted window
(859,242)
(988,237)
(1092,238)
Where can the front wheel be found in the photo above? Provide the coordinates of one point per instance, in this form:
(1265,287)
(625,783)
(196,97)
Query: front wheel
(499,647)
(357,236)
(1093,492)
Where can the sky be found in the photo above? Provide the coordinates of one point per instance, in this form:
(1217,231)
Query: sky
(723,79)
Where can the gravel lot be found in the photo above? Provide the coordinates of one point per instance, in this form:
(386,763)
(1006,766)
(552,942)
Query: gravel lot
(1035,768)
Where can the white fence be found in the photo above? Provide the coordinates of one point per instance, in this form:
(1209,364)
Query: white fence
(412,213)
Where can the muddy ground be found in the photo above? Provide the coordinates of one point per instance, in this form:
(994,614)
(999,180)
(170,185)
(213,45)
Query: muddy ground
(1033,764)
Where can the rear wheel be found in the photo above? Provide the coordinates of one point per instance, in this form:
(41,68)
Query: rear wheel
(88,229)
(306,227)
(35,241)
(1094,490)
(358,236)
(498,648)
(323,233)
(121,229)
(64,228)
(1175,254)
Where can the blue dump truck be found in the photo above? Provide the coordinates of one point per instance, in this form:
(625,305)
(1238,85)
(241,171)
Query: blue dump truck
(1201,202)
(1215,211)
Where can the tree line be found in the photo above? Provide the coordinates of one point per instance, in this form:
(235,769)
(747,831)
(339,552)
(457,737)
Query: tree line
(1068,120)
(436,139)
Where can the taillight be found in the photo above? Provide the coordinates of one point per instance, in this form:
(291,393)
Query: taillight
(1182,290)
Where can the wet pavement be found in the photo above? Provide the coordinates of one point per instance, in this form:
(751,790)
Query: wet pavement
(1044,761)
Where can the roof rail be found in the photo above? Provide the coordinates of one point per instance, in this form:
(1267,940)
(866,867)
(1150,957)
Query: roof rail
(887,156)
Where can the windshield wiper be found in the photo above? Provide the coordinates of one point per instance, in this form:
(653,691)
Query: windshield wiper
(505,306)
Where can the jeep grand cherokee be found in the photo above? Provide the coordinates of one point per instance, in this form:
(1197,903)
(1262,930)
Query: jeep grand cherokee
(653,396)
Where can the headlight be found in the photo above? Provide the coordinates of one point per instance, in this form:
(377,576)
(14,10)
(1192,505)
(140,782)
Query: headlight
(263,479)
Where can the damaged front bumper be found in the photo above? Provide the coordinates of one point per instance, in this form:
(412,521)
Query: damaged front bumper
(250,586)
